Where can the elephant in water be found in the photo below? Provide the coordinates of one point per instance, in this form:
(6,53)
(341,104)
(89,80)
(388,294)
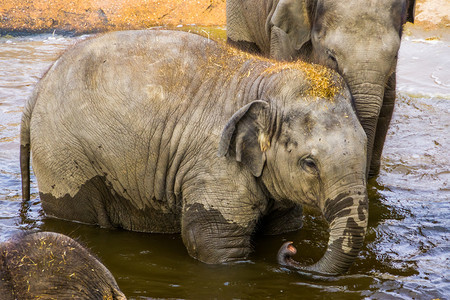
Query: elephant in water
(359,39)
(166,131)
(47,265)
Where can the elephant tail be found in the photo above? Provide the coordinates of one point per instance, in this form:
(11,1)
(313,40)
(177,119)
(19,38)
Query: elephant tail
(25,145)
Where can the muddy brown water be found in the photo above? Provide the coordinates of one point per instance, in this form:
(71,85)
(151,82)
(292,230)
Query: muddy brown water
(407,249)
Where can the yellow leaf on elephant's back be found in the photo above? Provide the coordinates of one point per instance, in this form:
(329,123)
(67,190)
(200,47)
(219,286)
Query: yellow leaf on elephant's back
(322,80)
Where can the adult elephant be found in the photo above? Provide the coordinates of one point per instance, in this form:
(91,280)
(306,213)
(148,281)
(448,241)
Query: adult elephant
(48,265)
(359,39)
(165,131)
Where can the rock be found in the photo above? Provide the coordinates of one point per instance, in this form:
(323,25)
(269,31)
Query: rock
(87,16)
(433,13)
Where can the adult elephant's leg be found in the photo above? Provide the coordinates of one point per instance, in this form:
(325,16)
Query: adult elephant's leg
(282,218)
(244,46)
(383,125)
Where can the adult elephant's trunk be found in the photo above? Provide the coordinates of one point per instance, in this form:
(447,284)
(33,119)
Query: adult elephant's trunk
(368,97)
(347,214)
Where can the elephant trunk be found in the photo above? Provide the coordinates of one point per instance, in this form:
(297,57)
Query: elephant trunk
(347,214)
(368,99)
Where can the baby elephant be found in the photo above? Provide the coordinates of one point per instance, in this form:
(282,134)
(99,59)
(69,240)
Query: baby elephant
(48,265)
(165,131)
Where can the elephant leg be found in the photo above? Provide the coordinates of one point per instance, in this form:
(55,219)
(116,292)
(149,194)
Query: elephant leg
(282,218)
(86,206)
(244,46)
(216,230)
(383,125)
(280,45)
(210,238)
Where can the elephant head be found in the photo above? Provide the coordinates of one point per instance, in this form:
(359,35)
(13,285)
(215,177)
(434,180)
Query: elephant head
(360,40)
(49,265)
(309,152)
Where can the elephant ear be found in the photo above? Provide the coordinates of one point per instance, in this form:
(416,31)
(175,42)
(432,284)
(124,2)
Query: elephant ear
(291,28)
(247,133)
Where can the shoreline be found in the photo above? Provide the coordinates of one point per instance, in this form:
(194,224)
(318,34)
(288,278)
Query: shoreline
(94,16)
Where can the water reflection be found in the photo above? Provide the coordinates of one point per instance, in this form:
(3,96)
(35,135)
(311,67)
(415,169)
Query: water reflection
(406,254)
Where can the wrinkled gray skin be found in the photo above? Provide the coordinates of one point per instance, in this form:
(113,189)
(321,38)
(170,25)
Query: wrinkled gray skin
(359,39)
(160,131)
(47,265)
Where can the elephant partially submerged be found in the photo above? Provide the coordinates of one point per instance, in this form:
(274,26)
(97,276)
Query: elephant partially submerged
(161,131)
(48,265)
(359,39)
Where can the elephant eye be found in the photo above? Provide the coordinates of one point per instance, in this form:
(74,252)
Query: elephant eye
(309,165)
(331,56)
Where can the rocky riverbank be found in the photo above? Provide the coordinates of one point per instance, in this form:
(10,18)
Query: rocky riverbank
(87,16)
